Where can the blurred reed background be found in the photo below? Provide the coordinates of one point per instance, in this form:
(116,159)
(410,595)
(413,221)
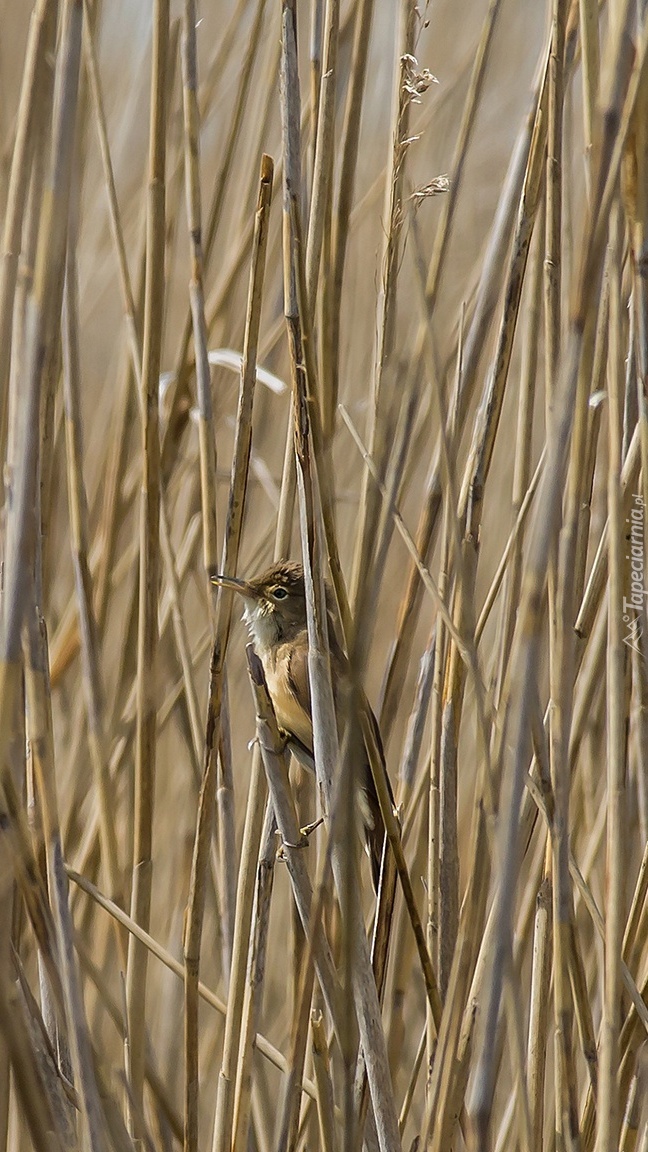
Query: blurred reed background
(445,284)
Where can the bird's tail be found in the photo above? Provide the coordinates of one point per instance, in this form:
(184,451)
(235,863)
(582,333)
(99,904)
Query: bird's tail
(374,829)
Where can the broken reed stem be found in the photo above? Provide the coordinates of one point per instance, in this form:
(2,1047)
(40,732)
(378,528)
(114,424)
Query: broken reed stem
(146,736)
(325,1098)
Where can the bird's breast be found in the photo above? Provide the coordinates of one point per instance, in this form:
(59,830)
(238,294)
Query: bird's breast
(291,716)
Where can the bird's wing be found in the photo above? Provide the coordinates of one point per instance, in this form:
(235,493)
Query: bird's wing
(372,815)
(297,708)
(294,716)
(366,706)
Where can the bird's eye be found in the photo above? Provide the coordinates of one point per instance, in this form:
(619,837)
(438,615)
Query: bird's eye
(279,593)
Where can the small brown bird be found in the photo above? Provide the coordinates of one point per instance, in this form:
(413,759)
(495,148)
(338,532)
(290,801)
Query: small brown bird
(275,614)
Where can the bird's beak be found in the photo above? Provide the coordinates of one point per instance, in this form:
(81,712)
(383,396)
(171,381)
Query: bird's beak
(243,587)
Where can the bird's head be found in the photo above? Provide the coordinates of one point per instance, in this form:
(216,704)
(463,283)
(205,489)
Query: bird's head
(275,603)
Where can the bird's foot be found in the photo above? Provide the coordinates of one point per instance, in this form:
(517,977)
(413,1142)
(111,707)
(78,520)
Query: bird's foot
(304,834)
(308,828)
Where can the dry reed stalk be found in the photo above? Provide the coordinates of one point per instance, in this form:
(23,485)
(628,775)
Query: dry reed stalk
(127,394)
(7,905)
(222,1134)
(632,938)
(182,641)
(34,90)
(36,323)
(395,475)
(272,748)
(180,633)
(131,312)
(325,1109)
(559,600)
(512,551)
(358,977)
(424,573)
(582,1007)
(325,738)
(240,466)
(41,322)
(526,646)
(554,176)
(637,211)
(566,714)
(149,563)
(41,737)
(206,436)
(90,839)
(324,116)
(590,54)
(449,1073)
(250,164)
(561,608)
(266,1049)
(407,84)
(225,829)
(464,135)
(117,1016)
(608,1109)
(208,500)
(236,507)
(315,56)
(484,308)
(79,540)
(34,1102)
(514,1028)
(391,825)
(539,1011)
(287,1125)
(255,979)
(134,343)
(63,1098)
(177,407)
(622,91)
(346,186)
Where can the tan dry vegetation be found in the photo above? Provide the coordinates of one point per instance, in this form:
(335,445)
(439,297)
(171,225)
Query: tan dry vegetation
(468,363)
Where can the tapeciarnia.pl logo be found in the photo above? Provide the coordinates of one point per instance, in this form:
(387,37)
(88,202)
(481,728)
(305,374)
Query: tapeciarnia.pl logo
(634,603)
